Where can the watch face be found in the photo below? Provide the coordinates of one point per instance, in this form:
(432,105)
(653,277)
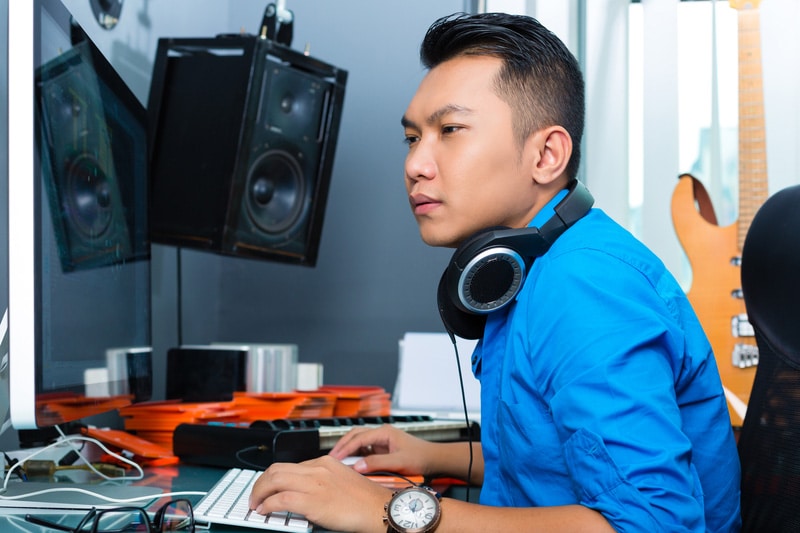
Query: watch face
(414,510)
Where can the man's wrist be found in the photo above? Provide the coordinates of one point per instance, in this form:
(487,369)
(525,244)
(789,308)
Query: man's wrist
(414,509)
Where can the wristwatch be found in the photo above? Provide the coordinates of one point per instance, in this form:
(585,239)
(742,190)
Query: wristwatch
(414,509)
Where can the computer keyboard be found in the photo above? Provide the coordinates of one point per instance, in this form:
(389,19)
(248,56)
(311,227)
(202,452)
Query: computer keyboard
(227,503)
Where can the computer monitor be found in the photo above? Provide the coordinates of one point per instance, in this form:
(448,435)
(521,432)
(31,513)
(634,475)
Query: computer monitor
(78,252)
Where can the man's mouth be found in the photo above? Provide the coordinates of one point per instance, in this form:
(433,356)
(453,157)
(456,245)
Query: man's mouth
(422,204)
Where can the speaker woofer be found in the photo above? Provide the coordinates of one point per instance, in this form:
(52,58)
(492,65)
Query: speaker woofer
(276,192)
(87,196)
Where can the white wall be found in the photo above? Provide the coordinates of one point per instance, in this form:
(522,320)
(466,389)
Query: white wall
(606,67)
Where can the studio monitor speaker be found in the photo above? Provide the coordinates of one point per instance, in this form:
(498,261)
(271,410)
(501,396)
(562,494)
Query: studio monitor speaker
(93,156)
(243,135)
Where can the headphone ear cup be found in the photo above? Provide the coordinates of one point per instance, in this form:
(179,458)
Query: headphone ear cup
(487,271)
(456,321)
(484,275)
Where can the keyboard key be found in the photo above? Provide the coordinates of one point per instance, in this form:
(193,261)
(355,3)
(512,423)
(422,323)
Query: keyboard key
(227,503)
(278,519)
(255,517)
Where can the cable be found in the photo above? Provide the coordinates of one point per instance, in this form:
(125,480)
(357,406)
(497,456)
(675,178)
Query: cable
(102,446)
(94,494)
(240,456)
(466,413)
(179,301)
(69,440)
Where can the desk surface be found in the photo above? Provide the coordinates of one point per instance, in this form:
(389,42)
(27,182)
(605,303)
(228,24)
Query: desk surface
(169,479)
(183,478)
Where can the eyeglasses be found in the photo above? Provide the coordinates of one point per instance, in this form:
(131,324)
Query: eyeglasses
(176,515)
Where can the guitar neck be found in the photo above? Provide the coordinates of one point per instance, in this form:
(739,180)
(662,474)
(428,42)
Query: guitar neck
(753,187)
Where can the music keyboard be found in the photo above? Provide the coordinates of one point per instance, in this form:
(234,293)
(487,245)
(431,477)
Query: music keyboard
(332,429)
(293,440)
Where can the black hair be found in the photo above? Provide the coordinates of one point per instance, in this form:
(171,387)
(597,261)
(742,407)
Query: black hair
(540,78)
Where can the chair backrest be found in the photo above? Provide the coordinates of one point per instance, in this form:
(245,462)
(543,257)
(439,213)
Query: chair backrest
(769,444)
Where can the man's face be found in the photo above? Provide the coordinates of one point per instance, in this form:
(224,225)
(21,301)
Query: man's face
(465,170)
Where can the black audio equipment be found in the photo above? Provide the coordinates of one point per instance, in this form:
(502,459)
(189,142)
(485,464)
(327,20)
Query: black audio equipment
(93,150)
(489,268)
(205,373)
(297,439)
(243,447)
(243,134)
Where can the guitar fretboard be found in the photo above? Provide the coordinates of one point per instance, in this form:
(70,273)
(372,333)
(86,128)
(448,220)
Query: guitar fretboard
(753,187)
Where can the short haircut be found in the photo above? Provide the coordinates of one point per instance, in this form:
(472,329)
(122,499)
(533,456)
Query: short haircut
(540,78)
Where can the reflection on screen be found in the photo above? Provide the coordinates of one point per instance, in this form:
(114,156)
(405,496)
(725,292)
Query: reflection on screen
(92,264)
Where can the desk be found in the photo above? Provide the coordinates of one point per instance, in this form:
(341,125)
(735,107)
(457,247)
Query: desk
(183,478)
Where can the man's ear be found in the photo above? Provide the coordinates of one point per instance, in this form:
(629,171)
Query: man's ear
(552,150)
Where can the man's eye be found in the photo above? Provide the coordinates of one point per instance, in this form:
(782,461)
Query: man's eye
(410,139)
(450,129)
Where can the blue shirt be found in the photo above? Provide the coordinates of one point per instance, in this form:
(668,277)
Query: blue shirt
(599,388)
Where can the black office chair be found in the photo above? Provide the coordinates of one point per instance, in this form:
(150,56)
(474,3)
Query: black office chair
(769,444)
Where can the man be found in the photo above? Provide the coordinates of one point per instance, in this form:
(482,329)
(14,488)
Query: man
(601,405)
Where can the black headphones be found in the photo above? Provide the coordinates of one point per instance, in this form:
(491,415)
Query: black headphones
(488,269)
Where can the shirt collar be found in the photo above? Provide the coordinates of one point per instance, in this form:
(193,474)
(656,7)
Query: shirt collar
(547,212)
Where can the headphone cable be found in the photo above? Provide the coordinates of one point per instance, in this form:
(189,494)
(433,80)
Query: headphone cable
(466,413)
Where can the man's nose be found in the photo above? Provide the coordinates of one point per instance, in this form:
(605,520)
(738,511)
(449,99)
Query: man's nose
(420,162)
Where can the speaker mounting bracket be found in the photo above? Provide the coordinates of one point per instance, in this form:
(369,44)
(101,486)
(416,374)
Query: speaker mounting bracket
(106,12)
(277,23)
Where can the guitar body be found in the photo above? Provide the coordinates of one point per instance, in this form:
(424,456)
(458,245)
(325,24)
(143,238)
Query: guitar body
(714,255)
(715,252)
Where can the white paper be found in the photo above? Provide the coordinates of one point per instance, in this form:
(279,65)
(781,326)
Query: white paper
(427,378)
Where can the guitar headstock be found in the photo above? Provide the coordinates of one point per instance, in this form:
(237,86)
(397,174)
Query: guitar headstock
(744,4)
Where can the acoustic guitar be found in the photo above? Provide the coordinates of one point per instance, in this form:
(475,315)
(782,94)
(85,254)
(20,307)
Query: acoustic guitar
(714,251)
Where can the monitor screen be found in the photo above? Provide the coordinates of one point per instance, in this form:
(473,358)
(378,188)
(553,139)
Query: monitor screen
(79,269)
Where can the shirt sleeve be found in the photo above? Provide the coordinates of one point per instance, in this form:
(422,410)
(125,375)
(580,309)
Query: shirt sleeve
(614,354)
